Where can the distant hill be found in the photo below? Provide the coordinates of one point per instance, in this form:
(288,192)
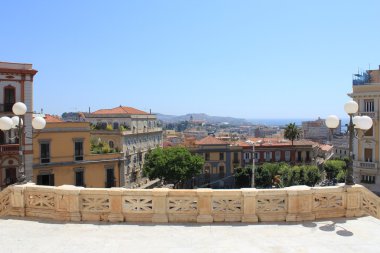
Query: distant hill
(200,117)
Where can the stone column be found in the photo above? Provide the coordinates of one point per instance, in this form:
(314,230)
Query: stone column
(116,214)
(249,210)
(353,198)
(159,205)
(204,206)
(18,200)
(67,203)
(300,200)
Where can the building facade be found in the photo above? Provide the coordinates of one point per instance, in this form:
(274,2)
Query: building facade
(63,155)
(16,85)
(317,130)
(132,131)
(366,92)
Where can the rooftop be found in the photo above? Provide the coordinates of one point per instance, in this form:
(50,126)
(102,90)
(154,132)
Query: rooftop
(345,235)
(210,140)
(120,110)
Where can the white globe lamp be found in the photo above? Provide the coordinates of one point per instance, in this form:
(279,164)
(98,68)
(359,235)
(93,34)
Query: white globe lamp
(16,121)
(365,123)
(332,121)
(357,120)
(5,123)
(38,123)
(351,107)
(19,108)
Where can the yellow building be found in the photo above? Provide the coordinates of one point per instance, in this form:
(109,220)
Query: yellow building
(366,92)
(62,155)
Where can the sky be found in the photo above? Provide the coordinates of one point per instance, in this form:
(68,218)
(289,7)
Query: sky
(249,59)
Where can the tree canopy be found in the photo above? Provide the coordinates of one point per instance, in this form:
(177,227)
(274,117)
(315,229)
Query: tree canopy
(173,165)
(292,132)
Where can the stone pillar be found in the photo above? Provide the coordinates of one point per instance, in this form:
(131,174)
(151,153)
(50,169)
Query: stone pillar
(159,205)
(116,214)
(18,200)
(204,206)
(300,203)
(249,210)
(353,198)
(67,203)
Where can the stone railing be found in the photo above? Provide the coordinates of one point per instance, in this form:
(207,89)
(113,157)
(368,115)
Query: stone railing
(298,203)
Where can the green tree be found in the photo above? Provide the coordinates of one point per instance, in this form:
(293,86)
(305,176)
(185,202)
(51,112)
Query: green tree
(333,168)
(172,165)
(292,132)
(243,177)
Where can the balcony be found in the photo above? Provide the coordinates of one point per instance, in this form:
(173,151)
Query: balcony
(5,108)
(9,149)
(365,165)
(372,115)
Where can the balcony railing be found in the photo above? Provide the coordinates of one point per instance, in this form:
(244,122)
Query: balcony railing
(9,149)
(7,107)
(365,165)
(372,115)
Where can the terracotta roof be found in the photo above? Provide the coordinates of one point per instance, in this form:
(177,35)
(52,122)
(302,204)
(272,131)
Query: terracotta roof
(210,140)
(281,142)
(52,118)
(120,110)
(325,147)
(242,144)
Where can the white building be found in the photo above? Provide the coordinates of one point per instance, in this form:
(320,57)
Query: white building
(317,130)
(132,131)
(16,85)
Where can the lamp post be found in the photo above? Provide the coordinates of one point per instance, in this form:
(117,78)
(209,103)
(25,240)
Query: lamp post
(253,163)
(16,122)
(358,123)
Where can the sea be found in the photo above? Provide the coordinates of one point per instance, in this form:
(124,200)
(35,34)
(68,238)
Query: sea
(284,122)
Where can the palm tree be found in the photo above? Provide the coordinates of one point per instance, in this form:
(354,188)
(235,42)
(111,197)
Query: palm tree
(292,132)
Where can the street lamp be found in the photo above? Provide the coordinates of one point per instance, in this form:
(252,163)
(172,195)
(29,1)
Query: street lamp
(358,123)
(17,123)
(253,163)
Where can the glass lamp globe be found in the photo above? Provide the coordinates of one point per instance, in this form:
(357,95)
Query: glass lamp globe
(38,123)
(5,123)
(16,121)
(365,123)
(357,120)
(332,121)
(351,107)
(19,108)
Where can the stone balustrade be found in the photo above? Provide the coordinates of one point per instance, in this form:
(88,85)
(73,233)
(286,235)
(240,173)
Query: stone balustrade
(298,203)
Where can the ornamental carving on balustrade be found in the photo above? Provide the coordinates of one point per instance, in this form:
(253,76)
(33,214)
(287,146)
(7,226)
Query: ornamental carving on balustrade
(182,205)
(40,200)
(369,205)
(328,201)
(95,204)
(5,203)
(230,205)
(138,204)
(271,204)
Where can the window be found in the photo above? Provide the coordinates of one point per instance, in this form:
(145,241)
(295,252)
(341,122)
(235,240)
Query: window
(111,144)
(207,156)
(369,105)
(45,179)
(45,152)
(307,156)
(368,154)
(268,156)
(236,157)
(368,179)
(221,156)
(299,156)
(287,156)
(115,126)
(79,177)
(9,98)
(278,156)
(110,178)
(257,155)
(78,151)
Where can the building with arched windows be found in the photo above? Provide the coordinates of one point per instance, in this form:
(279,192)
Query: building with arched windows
(16,85)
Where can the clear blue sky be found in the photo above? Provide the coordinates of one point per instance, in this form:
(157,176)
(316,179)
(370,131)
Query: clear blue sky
(250,59)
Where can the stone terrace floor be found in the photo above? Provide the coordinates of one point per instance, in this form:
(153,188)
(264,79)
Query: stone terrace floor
(337,235)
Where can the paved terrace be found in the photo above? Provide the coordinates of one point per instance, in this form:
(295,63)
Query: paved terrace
(333,235)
